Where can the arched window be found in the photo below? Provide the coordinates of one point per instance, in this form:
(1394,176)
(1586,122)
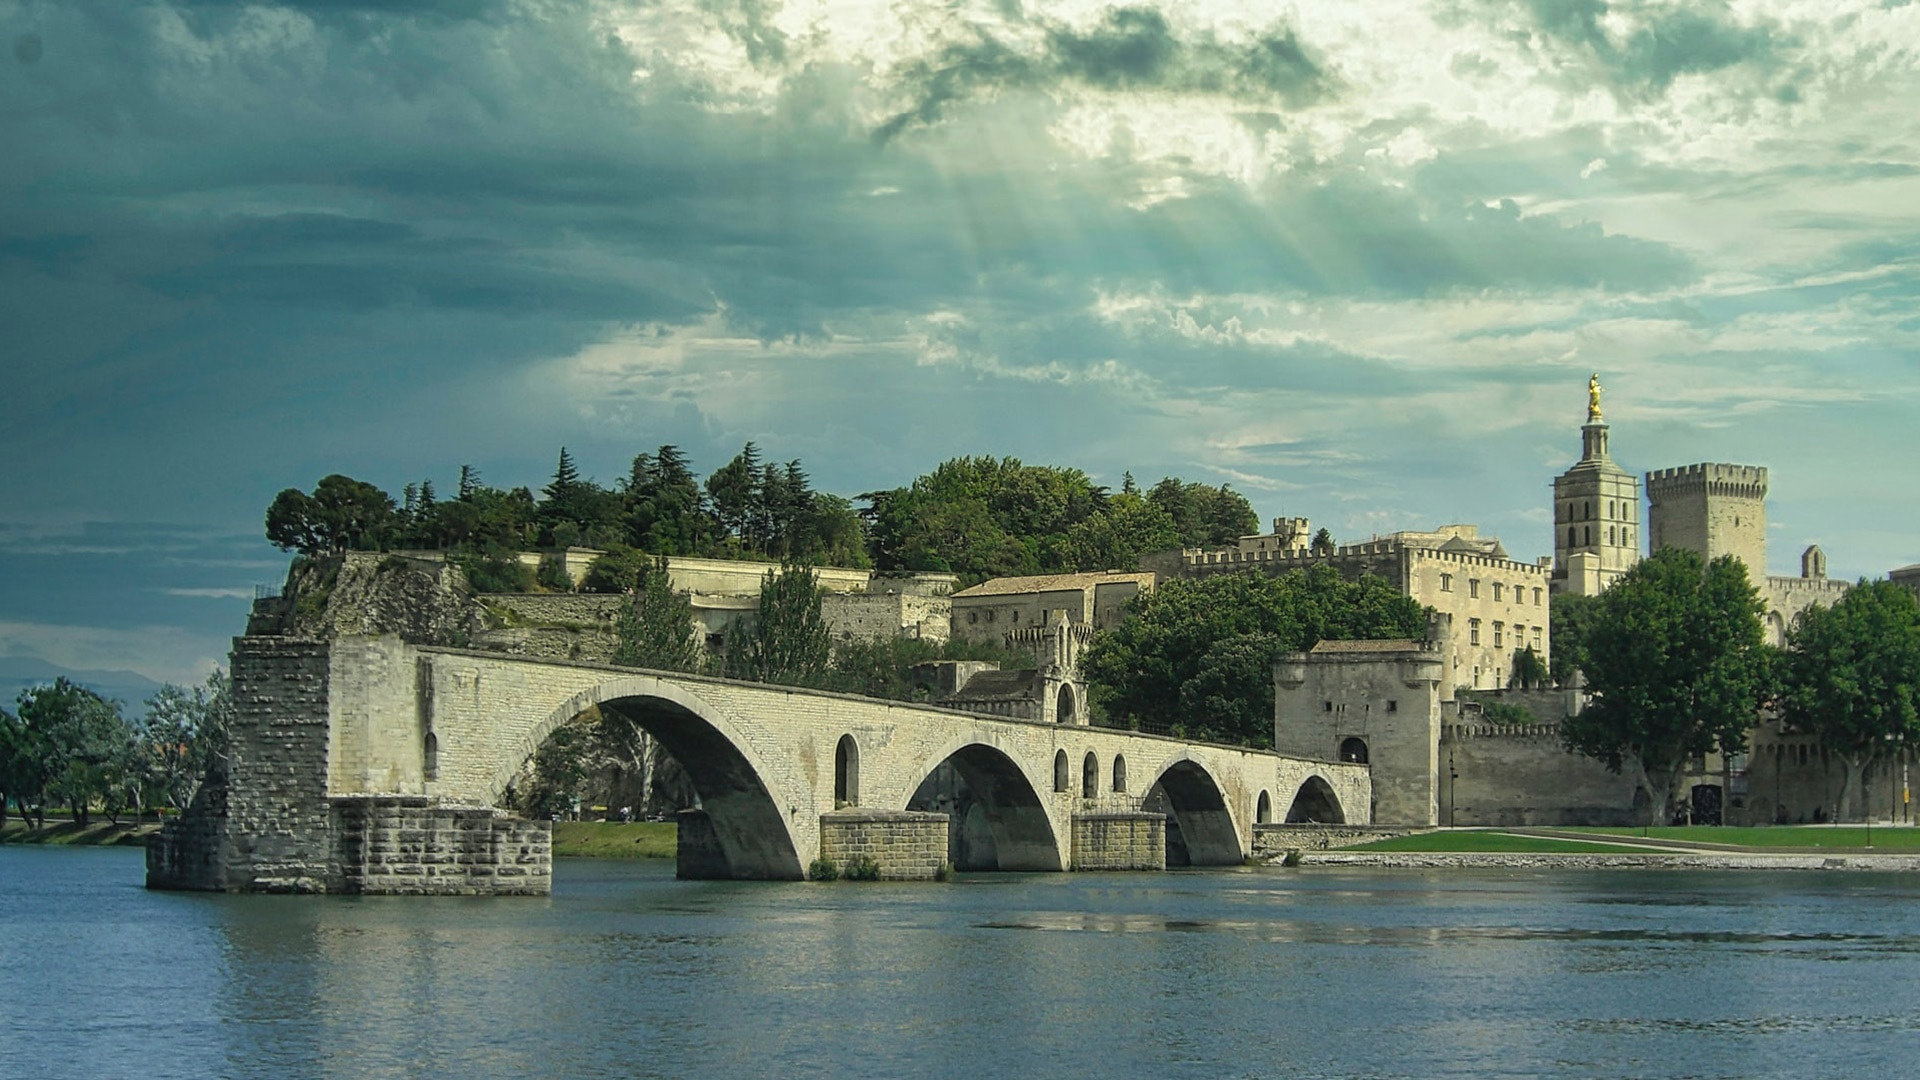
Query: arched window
(1062,773)
(1119,773)
(431,756)
(846,772)
(1572,536)
(1063,706)
(1090,776)
(1589,535)
(1264,814)
(1609,534)
(1354,751)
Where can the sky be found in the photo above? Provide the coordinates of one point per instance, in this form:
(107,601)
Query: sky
(1357,260)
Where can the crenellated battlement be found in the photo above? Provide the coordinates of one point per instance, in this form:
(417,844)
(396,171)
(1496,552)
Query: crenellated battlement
(1713,478)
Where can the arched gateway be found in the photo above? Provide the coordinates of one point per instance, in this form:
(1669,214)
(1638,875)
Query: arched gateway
(347,753)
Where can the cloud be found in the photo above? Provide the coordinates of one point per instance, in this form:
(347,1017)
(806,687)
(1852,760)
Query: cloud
(1130,49)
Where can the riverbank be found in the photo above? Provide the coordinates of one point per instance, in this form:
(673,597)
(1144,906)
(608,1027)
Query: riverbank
(1648,860)
(99,833)
(613,840)
(1693,848)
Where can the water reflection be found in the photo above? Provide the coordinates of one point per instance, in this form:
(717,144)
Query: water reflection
(628,972)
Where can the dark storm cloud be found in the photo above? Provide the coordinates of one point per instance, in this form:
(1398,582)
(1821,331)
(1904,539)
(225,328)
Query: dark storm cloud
(1665,43)
(1131,48)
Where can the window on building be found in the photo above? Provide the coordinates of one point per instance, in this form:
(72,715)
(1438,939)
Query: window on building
(1536,637)
(1536,598)
(1473,587)
(1446,582)
(973,617)
(1587,508)
(1496,591)
(1499,634)
(1609,534)
(1588,534)
(431,752)
(1393,706)
(1571,534)
(1119,773)
(1473,633)
(1326,706)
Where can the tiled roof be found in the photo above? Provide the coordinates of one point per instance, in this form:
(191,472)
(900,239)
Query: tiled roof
(1045,583)
(1372,645)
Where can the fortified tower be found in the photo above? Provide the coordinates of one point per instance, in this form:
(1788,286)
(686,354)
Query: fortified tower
(1596,511)
(1712,509)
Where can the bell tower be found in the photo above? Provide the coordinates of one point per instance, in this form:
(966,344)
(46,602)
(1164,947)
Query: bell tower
(1596,512)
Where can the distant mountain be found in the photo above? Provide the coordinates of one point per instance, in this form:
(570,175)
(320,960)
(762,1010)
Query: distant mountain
(17,673)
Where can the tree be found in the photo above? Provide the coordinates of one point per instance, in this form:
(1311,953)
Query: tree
(735,492)
(1204,516)
(1323,544)
(184,736)
(1197,656)
(342,514)
(654,629)
(1115,540)
(77,737)
(787,640)
(1851,678)
(17,755)
(1676,667)
(1529,671)
(665,510)
(1569,619)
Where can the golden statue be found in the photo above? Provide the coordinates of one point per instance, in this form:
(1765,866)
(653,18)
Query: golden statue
(1593,399)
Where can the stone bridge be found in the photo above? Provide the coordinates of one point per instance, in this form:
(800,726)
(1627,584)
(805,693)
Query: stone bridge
(365,764)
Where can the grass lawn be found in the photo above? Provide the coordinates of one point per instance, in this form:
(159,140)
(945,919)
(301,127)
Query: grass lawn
(612,840)
(1788,837)
(99,833)
(1489,841)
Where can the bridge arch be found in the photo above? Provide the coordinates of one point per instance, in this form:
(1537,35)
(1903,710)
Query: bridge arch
(1315,803)
(1200,825)
(996,819)
(749,831)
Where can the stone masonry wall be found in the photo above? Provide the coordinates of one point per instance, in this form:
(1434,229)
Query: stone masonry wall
(1511,775)
(276,830)
(1119,841)
(405,845)
(908,845)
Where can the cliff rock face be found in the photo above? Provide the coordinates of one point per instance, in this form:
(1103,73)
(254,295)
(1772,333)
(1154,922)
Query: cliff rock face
(423,600)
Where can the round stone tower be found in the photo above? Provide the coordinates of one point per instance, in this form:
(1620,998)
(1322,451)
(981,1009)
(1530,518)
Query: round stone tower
(1596,512)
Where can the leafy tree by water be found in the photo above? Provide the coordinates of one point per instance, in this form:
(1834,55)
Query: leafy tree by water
(184,736)
(76,741)
(1851,678)
(786,641)
(1197,656)
(655,629)
(18,780)
(1676,667)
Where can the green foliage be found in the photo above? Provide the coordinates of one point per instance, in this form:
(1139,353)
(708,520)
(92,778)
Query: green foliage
(75,748)
(786,641)
(497,572)
(823,869)
(1676,668)
(342,514)
(990,517)
(943,872)
(654,629)
(617,571)
(1323,543)
(552,575)
(1504,712)
(561,769)
(1529,671)
(1202,516)
(861,868)
(1851,678)
(1197,657)
(1569,621)
(184,735)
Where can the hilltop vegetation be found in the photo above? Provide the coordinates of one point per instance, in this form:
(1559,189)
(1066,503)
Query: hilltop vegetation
(977,517)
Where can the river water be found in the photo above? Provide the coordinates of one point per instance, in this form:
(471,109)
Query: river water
(626,972)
